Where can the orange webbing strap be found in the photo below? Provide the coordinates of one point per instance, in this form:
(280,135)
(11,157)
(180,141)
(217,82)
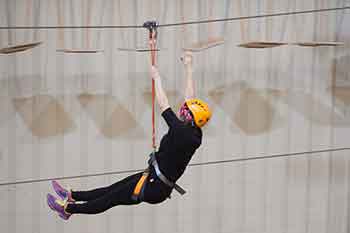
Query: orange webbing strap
(137,194)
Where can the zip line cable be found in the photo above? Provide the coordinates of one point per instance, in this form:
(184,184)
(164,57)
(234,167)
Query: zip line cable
(254,16)
(250,158)
(176,24)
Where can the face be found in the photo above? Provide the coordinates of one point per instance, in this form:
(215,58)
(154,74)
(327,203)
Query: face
(185,113)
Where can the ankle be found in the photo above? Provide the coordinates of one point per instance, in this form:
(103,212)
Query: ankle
(65,208)
(70,198)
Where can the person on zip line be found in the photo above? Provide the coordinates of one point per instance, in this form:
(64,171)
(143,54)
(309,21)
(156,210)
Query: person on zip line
(166,165)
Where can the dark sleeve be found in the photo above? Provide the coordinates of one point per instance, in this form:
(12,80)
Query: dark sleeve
(170,117)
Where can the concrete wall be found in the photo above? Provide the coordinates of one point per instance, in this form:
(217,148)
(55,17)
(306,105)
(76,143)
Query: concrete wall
(76,114)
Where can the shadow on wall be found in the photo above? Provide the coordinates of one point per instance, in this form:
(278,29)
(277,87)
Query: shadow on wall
(247,108)
(44,115)
(23,86)
(7,110)
(31,85)
(110,117)
(340,87)
(314,110)
(255,112)
(342,95)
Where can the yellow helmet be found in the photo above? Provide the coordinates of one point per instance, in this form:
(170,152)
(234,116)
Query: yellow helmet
(200,111)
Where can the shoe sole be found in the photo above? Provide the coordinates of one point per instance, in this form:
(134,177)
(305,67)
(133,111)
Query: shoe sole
(57,187)
(50,201)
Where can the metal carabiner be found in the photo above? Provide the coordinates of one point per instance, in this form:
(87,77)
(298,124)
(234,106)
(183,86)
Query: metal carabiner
(152,27)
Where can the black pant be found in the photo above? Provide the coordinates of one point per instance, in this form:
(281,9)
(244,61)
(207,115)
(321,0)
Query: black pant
(120,193)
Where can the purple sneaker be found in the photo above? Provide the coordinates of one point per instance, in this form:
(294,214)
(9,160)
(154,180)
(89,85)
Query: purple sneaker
(63,193)
(57,206)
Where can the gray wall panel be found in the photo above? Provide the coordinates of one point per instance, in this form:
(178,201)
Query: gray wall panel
(76,114)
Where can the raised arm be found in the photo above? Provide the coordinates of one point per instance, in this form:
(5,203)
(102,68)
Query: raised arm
(188,62)
(161,97)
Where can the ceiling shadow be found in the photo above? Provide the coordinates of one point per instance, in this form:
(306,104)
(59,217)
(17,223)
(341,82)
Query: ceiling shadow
(8,111)
(340,85)
(313,109)
(44,116)
(342,94)
(255,114)
(36,84)
(247,108)
(111,118)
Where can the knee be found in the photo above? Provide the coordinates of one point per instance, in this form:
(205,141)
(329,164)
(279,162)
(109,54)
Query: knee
(154,197)
(155,200)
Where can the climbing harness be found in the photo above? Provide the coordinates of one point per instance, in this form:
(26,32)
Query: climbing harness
(153,162)
(138,194)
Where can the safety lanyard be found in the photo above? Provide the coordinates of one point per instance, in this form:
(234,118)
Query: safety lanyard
(152,27)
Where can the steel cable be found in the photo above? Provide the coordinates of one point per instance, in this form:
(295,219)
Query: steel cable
(249,158)
(176,24)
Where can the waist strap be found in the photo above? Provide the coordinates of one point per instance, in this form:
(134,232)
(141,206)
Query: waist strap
(153,161)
